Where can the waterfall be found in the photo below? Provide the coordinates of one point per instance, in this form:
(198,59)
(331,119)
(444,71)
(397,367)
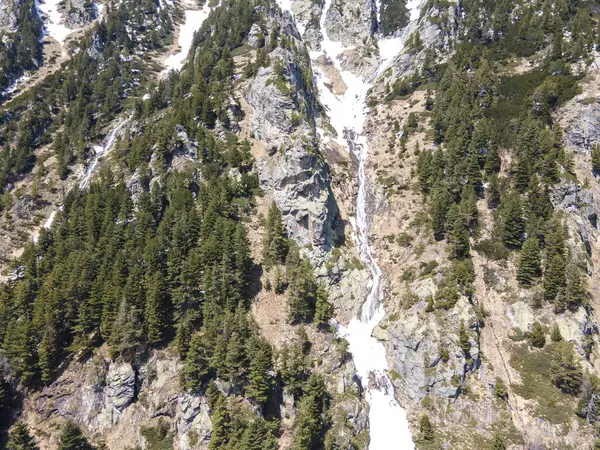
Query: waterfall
(389,427)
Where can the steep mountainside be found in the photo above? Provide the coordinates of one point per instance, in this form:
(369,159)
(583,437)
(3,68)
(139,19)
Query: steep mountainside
(348,224)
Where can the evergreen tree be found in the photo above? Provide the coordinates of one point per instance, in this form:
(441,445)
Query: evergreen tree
(426,432)
(71,438)
(566,371)
(596,159)
(537,337)
(323,309)
(275,243)
(157,309)
(512,221)
(440,202)
(310,421)
(529,267)
(260,382)
(554,277)
(19,437)
(458,237)
(463,339)
(220,418)
(197,364)
(556,336)
(575,293)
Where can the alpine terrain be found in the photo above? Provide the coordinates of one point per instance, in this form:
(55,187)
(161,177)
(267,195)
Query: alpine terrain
(299,224)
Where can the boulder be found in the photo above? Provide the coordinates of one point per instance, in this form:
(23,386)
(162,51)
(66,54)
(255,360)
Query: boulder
(120,386)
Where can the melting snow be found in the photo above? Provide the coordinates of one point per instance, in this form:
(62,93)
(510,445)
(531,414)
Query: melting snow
(193,22)
(389,426)
(53,25)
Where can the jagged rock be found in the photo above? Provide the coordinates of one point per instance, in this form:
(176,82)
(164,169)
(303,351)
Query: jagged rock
(438,29)
(255,35)
(521,316)
(350,21)
(308,15)
(95,48)
(581,206)
(80,13)
(8,16)
(120,386)
(193,417)
(286,408)
(381,334)
(581,121)
(414,351)
(294,171)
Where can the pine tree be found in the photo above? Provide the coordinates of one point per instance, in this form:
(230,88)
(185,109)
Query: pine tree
(220,418)
(492,161)
(19,437)
(575,293)
(157,309)
(458,237)
(260,382)
(309,424)
(275,243)
(439,204)
(427,434)
(556,336)
(566,371)
(463,339)
(323,309)
(537,337)
(529,267)
(596,159)
(71,438)
(513,225)
(197,364)
(554,277)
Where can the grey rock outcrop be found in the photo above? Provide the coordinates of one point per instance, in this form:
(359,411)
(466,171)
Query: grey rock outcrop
(438,28)
(350,22)
(120,386)
(283,111)
(80,13)
(414,345)
(193,420)
(8,16)
(581,122)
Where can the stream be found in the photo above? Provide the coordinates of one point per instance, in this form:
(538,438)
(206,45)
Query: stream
(389,427)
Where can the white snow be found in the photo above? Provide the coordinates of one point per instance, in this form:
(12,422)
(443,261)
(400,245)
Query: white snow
(13,87)
(46,226)
(53,25)
(389,426)
(285,5)
(193,22)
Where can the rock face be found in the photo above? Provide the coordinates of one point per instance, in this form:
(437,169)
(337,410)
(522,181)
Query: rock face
(350,22)
(8,16)
(80,13)
(582,124)
(114,400)
(438,29)
(414,347)
(120,386)
(283,110)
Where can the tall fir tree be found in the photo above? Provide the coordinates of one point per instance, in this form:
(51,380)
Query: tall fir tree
(20,438)
(529,267)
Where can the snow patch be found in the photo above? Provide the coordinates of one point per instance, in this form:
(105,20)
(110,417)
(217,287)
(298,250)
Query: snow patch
(389,427)
(53,26)
(193,22)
